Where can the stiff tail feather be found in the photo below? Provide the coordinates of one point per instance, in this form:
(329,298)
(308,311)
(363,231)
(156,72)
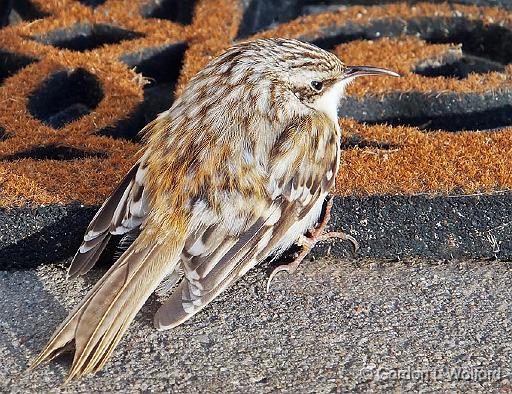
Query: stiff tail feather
(96,326)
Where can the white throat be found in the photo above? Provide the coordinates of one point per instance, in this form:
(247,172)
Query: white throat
(329,101)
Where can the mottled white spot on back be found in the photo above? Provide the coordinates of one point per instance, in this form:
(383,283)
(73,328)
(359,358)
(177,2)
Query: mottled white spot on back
(328,175)
(192,275)
(91,235)
(198,248)
(188,307)
(247,156)
(84,248)
(274,217)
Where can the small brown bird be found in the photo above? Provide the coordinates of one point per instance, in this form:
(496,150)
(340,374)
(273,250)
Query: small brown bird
(237,170)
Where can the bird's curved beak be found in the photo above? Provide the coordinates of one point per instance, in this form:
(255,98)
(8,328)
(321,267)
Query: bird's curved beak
(358,71)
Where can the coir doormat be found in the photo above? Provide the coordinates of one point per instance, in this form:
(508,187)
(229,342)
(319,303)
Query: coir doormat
(427,158)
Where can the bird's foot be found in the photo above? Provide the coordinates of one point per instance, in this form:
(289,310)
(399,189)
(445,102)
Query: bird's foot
(308,242)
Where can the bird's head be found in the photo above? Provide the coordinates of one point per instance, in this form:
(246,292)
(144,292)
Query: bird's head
(273,78)
(317,78)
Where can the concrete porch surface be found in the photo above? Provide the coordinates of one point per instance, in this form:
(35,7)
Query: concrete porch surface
(335,325)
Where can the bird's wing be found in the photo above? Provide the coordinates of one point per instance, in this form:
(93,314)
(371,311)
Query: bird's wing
(124,211)
(213,258)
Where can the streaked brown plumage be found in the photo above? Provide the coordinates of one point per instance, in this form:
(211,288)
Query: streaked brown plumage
(235,171)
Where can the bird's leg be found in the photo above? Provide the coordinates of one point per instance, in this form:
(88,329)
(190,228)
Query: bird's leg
(307,243)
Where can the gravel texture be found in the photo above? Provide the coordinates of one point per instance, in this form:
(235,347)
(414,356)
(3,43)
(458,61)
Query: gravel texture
(335,325)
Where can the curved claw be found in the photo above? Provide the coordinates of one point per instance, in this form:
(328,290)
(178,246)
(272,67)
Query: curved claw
(354,242)
(288,268)
(340,235)
(273,274)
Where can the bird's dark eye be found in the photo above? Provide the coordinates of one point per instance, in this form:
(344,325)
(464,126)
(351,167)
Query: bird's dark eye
(317,85)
